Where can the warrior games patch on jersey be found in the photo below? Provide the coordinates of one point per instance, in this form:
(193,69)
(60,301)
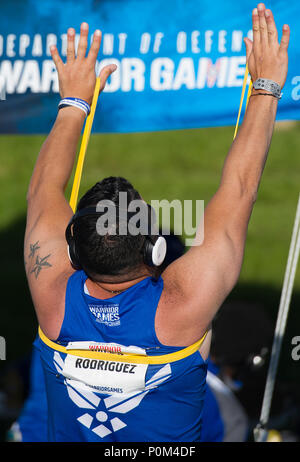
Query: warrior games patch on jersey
(106,314)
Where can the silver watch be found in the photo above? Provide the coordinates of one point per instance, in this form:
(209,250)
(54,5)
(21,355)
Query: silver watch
(268,85)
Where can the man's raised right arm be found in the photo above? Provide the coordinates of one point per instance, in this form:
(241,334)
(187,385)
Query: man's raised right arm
(206,274)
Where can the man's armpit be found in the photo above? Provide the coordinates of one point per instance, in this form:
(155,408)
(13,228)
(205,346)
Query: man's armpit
(35,261)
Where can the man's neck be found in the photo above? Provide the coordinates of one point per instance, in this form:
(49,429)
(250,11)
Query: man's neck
(109,289)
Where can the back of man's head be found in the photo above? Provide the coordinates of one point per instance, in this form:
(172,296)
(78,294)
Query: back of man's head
(111,253)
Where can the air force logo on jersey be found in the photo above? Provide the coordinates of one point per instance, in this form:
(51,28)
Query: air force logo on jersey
(125,390)
(107,314)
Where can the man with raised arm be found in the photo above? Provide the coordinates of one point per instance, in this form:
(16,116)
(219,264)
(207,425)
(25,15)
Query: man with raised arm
(120,342)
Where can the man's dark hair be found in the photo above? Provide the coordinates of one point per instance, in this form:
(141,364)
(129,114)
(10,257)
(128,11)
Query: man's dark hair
(108,254)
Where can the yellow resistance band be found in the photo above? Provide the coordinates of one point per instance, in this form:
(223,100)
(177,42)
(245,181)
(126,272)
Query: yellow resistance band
(242,98)
(83,147)
(125,358)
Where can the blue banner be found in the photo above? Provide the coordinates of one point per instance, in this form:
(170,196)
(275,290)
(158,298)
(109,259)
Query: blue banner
(180,62)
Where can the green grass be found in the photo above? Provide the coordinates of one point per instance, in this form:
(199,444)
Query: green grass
(170,165)
(177,165)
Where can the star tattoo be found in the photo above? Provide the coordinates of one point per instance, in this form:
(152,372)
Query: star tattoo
(40,263)
(33,249)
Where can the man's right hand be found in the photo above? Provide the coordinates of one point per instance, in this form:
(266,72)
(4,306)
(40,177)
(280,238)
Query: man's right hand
(266,57)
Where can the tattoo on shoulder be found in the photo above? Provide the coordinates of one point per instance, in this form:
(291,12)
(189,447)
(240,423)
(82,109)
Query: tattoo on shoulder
(40,262)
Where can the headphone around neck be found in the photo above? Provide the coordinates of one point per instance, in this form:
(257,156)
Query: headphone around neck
(154,248)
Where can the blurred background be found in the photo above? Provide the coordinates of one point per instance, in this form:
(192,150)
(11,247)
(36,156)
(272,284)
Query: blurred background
(186,165)
(168,164)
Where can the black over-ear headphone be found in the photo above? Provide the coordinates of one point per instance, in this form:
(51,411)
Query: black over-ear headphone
(154,248)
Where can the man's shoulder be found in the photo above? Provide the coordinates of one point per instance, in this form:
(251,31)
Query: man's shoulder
(50,305)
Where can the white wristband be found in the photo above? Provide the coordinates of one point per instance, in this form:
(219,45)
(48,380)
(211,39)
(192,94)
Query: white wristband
(75,102)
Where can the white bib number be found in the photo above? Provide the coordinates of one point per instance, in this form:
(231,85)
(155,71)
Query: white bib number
(109,377)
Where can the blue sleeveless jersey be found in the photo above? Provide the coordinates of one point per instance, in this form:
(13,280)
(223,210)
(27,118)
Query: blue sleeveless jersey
(110,401)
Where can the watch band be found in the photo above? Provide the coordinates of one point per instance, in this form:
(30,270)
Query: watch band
(268,85)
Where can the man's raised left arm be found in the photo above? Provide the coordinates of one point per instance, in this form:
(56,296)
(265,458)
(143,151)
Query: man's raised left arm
(48,213)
